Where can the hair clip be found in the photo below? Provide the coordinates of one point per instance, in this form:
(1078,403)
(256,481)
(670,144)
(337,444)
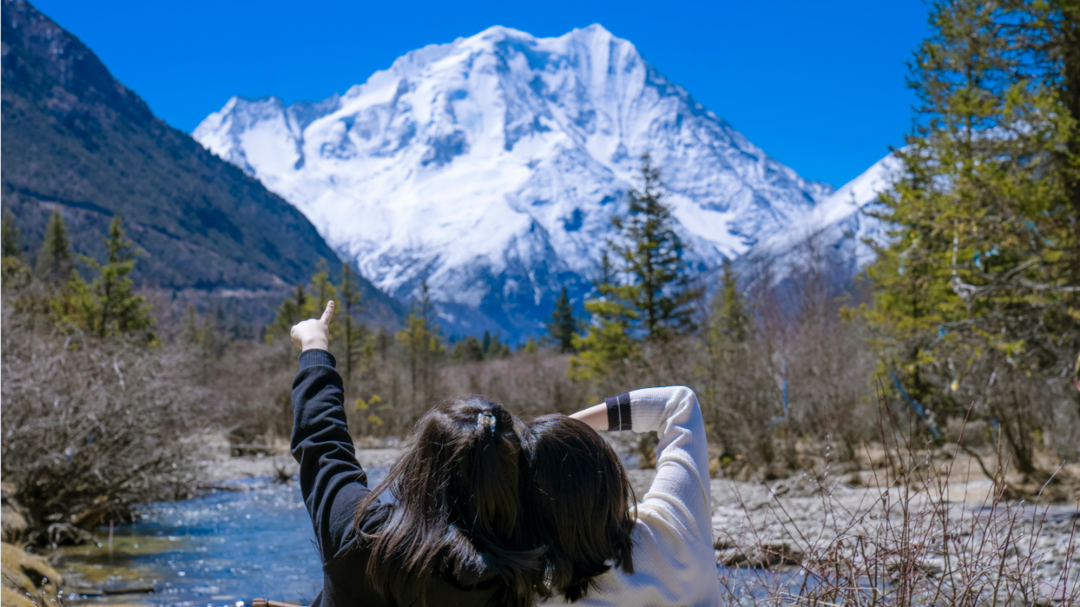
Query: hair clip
(486,419)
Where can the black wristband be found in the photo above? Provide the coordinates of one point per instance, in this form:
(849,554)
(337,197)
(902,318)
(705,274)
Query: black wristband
(618,412)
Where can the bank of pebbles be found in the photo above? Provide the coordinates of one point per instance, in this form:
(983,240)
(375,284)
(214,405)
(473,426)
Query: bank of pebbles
(781,524)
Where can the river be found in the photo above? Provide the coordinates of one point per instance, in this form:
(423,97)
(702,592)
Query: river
(218,549)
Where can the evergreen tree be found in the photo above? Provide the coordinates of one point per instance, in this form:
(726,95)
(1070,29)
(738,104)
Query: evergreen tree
(658,277)
(495,348)
(321,290)
(304,303)
(205,334)
(355,335)
(190,334)
(72,305)
(420,339)
(563,326)
(730,321)
(606,274)
(645,293)
(292,310)
(607,345)
(11,267)
(54,259)
(607,340)
(112,307)
(532,346)
(981,277)
(10,240)
(215,337)
(468,350)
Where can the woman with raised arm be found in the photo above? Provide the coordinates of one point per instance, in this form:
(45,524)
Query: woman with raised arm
(455,534)
(603,551)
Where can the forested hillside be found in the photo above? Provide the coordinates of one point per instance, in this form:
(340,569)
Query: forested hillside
(77,140)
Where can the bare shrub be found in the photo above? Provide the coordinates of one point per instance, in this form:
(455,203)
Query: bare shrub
(802,376)
(92,427)
(1032,416)
(252,387)
(743,404)
(529,384)
(907,540)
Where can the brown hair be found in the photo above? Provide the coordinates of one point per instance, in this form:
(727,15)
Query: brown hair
(582,498)
(459,489)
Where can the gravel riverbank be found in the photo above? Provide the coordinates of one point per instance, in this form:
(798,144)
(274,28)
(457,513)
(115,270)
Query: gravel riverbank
(798,524)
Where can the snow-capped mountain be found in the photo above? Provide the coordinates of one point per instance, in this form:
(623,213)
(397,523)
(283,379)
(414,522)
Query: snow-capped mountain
(491,167)
(836,227)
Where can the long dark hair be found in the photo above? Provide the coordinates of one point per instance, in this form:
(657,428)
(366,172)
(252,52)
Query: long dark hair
(459,489)
(582,498)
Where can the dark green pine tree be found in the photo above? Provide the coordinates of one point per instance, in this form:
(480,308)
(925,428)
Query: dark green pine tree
(563,326)
(729,325)
(420,340)
(354,334)
(292,311)
(980,281)
(729,314)
(54,260)
(11,265)
(468,350)
(10,239)
(116,309)
(652,258)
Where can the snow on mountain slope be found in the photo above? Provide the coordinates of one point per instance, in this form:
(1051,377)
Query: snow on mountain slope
(837,225)
(491,166)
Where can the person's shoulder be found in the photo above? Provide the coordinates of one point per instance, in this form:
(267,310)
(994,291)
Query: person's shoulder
(659,531)
(372,521)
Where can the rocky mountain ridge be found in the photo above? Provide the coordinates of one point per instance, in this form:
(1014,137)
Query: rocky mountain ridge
(491,166)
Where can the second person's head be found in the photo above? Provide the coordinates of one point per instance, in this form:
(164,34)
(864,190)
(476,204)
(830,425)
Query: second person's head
(582,500)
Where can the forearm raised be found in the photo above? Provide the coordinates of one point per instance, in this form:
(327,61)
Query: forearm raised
(331,480)
(680,490)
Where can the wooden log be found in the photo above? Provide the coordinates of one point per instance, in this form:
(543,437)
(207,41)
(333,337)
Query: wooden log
(144,589)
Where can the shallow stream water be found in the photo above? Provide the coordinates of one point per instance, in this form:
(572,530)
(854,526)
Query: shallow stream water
(218,549)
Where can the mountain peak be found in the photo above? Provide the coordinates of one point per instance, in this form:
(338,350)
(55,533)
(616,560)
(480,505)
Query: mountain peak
(498,32)
(491,167)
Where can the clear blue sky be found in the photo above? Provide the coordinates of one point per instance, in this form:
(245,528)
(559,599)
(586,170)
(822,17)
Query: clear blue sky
(818,85)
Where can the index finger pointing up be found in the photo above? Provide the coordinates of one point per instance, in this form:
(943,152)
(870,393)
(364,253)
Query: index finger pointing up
(328,313)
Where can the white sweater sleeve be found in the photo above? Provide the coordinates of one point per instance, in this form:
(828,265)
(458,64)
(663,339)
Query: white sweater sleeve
(674,561)
(680,494)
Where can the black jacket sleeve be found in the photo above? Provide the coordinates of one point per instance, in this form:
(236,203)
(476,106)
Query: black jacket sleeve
(331,480)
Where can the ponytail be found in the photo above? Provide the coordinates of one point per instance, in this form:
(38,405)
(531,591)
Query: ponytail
(459,489)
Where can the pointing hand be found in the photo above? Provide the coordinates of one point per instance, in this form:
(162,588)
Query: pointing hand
(314,333)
